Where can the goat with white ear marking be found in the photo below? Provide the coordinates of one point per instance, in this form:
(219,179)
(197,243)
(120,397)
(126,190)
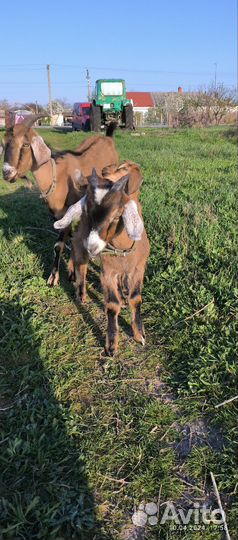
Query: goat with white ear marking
(62,180)
(131,218)
(102,231)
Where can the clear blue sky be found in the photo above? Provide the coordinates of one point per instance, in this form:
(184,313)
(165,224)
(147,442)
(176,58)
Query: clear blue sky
(155,45)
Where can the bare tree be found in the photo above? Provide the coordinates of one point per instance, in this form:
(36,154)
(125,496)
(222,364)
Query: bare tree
(34,107)
(4,104)
(223,100)
(207,106)
(167,105)
(63,103)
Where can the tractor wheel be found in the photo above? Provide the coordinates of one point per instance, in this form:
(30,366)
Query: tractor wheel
(128,116)
(95,118)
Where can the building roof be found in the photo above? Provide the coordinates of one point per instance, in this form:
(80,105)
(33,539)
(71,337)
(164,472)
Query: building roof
(141,99)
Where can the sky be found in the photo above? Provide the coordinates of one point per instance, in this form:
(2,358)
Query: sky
(155,45)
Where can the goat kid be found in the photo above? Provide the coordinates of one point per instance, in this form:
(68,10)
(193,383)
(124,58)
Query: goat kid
(62,181)
(111,226)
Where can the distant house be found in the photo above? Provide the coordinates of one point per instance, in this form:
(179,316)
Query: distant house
(165,108)
(142,102)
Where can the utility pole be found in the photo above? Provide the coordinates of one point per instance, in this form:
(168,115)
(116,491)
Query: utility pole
(89,87)
(49,89)
(215,78)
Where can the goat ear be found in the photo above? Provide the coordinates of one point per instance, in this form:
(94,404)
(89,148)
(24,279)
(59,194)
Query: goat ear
(120,184)
(74,212)
(135,180)
(93,180)
(109,169)
(132,221)
(41,152)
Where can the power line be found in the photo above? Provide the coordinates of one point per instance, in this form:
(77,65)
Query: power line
(42,83)
(20,65)
(33,67)
(131,70)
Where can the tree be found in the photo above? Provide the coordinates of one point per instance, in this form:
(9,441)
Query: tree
(207,106)
(34,107)
(151,116)
(168,104)
(4,104)
(57,107)
(223,100)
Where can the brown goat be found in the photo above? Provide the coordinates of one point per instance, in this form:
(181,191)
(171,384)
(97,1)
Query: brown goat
(62,181)
(110,226)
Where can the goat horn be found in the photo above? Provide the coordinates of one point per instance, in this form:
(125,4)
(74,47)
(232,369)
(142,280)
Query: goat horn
(93,180)
(31,119)
(120,184)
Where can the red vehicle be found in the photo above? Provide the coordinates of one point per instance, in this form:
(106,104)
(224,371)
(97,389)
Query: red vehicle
(81,116)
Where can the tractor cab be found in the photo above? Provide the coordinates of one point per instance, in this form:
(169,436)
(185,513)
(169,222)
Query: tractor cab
(110,103)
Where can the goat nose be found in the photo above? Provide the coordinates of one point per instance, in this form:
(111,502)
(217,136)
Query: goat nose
(9,172)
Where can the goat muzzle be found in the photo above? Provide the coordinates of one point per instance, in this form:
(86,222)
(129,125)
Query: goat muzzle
(9,173)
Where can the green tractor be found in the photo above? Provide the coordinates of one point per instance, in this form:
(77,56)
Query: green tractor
(110,103)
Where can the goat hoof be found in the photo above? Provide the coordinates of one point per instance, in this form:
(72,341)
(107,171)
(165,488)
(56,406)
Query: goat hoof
(142,341)
(81,299)
(139,338)
(111,351)
(53,280)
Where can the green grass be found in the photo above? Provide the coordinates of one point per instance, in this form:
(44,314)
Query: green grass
(83,441)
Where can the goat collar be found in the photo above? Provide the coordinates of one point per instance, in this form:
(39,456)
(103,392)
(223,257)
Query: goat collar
(111,250)
(51,189)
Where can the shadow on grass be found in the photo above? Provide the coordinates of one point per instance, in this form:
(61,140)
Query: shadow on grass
(44,491)
(26,213)
(231,133)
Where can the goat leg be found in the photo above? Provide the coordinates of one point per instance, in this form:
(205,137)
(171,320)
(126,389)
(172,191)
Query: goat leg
(53,279)
(113,307)
(80,282)
(71,270)
(135,301)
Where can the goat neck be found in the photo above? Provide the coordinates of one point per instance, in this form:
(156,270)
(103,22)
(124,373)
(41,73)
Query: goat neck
(44,176)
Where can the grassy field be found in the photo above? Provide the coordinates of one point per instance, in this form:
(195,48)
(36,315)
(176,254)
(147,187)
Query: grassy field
(84,442)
